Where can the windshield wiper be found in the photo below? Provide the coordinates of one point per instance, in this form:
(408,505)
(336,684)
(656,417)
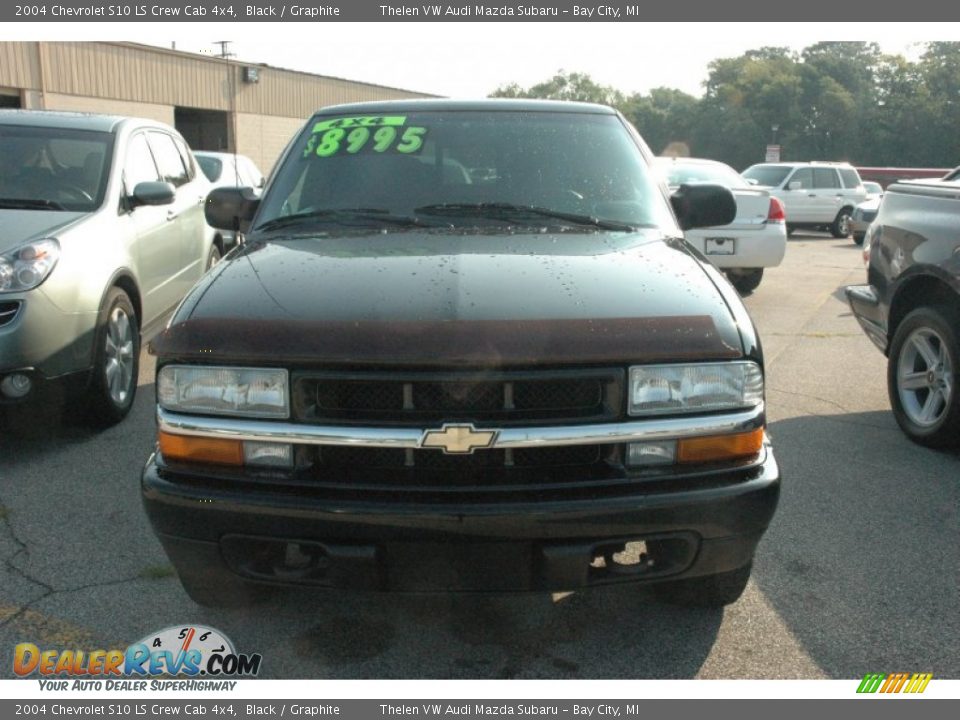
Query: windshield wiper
(343,216)
(509,211)
(30,204)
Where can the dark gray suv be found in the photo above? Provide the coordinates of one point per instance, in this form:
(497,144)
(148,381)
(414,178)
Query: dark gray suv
(910,307)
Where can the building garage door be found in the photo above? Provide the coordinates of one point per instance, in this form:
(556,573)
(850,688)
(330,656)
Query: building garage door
(203,129)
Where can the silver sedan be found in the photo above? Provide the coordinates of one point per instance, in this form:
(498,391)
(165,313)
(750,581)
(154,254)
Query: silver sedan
(103,234)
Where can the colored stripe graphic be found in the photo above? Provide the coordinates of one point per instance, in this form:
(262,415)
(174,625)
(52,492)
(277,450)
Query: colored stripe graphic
(895,686)
(871,682)
(918,683)
(894,683)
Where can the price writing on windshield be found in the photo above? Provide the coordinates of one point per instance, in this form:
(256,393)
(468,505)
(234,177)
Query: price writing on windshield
(350,135)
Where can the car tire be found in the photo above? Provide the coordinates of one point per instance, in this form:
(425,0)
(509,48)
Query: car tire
(858,237)
(746,281)
(113,386)
(840,228)
(213,257)
(922,372)
(709,591)
(791,229)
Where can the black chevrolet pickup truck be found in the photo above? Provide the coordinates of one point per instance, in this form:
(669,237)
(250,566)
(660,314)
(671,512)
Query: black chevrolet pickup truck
(464,348)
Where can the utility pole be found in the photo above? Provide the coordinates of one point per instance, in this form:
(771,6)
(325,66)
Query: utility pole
(224,49)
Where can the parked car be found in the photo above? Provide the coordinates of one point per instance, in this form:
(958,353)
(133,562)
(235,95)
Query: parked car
(229,170)
(756,239)
(874,190)
(103,234)
(910,307)
(816,195)
(412,377)
(863,215)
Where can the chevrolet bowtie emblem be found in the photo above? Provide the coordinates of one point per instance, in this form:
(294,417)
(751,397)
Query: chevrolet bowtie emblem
(463,439)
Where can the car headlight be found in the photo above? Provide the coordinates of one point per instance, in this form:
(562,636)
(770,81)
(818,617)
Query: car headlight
(246,392)
(703,387)
(28,265)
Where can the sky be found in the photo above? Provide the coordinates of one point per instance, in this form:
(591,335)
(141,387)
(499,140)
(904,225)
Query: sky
(467,60)
(470,60)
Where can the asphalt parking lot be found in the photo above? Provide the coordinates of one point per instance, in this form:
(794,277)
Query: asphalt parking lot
(858,573)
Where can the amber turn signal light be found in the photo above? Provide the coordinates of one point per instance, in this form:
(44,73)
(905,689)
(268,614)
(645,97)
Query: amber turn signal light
(719,447)
(198,449)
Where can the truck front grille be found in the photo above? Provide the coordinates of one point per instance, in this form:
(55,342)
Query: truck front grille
(431,473)
(387,458)
(505,398)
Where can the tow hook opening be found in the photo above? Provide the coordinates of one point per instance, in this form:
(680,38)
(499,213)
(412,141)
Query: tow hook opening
(301,562)
(300,558)
(623,559)
(630,557)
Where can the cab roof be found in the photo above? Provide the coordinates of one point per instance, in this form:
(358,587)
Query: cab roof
(68,120)
(490,105)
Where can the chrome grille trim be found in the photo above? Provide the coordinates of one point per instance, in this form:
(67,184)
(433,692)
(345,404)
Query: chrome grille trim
(229,428)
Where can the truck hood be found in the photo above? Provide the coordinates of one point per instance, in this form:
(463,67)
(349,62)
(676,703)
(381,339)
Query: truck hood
(19,226)
(431,298)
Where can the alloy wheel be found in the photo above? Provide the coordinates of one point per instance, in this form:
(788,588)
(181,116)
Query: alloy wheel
(925,377)
(118,366)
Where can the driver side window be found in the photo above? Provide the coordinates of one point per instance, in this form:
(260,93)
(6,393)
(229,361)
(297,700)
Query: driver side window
(139,165)
(804,176)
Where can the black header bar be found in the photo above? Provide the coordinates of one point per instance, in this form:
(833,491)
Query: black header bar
(771,20)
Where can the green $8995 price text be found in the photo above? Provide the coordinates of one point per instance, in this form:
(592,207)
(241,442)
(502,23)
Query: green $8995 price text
(351,135)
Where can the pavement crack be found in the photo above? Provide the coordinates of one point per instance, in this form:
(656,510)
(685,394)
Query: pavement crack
(812,397)
(51,591)
(13,568)
(845,419)
(821,301)
(48,590)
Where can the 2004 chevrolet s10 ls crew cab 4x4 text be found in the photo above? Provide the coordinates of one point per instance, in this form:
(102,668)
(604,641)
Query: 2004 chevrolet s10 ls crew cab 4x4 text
(464,347)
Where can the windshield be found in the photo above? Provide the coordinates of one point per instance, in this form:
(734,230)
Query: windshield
(677,172)
(465,168)
(53,168)
(770,175)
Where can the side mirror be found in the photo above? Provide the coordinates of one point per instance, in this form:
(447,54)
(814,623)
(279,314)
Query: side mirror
(795,185)
(231,208)
(703,205)
(153,193)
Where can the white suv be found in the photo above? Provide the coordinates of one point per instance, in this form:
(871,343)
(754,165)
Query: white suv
(816,195)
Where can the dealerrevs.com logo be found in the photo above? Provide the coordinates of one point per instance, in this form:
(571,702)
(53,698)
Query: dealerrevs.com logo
(179,651)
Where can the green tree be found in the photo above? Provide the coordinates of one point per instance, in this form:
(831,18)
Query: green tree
(578,87)
(663,117)
(744,98)
(832,101)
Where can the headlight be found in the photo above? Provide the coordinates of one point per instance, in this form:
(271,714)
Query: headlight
(704,387)
(28,266)
(247,392)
